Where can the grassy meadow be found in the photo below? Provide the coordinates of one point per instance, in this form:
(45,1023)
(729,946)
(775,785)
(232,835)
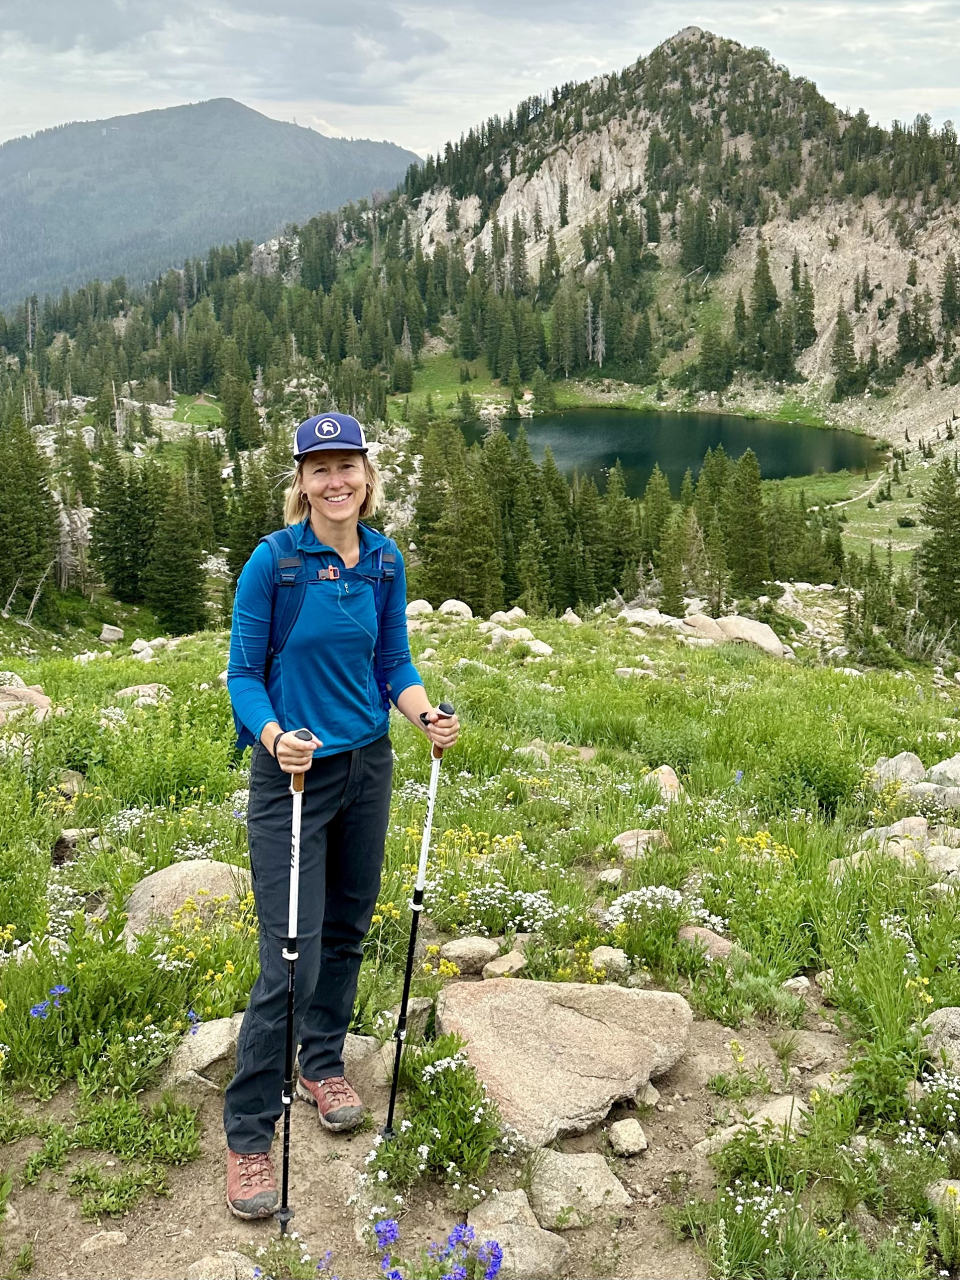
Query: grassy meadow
(773,757)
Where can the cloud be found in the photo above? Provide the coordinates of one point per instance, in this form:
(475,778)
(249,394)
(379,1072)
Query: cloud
(422,72)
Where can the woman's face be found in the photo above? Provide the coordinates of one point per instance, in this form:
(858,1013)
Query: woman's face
(335,484)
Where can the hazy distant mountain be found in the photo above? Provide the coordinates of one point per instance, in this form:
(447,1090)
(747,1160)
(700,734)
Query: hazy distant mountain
(135,194)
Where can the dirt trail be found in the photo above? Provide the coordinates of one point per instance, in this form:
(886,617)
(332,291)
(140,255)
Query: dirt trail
(165,1236)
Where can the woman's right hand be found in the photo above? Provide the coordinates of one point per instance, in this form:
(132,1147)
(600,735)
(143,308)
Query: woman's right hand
(295,755)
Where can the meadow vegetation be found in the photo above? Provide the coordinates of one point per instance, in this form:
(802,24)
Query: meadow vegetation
(774,759)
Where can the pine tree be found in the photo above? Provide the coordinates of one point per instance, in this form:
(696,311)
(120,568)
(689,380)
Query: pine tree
(939,555)
(795,272)
(28,522)
(534,573)
(251,517)
(687,490)
(657,508)
(564,197)
(713,370)
(746,542)
(843,357)
(80,469)
(670,568)
(174,580)
(110,533)
(805,333)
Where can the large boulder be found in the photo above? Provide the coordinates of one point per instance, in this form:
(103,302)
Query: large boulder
(156,692)
(528,1250)
(456,609)
(10,679)
(17,701)
(749,631)
(946,773)
(555,1056)
(642,617)
(698,624)
(571,1190)
(417,608)
(942,1039)
(159,895)
(110,634)
(904,768)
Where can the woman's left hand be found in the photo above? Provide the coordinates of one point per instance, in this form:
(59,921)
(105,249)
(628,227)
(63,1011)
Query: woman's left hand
(442,730)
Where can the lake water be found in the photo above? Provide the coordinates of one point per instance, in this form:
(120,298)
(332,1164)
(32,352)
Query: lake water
(591,440)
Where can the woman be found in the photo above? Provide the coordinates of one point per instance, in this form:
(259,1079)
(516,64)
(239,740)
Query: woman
(345,654)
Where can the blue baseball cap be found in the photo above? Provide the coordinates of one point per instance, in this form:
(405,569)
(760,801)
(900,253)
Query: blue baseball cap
(328,431)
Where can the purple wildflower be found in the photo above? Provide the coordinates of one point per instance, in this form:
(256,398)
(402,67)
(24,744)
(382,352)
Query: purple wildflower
(739,776)
(387,1231)
(461,1234)
(458,1272)
(59,990)
(490,1255)
(41,1010)
(194,1019)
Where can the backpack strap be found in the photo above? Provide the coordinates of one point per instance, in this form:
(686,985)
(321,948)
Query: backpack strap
(289,589)
(387,571)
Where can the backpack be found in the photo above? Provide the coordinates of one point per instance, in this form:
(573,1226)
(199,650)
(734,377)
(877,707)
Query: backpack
(290,589)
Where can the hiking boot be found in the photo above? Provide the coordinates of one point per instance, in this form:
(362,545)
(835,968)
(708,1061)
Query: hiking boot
(338,1103)
(251,1185)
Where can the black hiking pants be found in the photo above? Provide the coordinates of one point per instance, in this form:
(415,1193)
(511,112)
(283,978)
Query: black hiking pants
(346,805)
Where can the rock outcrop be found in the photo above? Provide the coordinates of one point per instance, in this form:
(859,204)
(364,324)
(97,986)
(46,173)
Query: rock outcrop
(556,1056)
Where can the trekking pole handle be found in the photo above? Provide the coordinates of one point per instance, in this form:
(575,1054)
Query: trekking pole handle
(297,783)
(446,709)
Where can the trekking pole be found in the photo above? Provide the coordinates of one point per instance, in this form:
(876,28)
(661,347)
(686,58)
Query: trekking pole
(285,1213)
(416,907)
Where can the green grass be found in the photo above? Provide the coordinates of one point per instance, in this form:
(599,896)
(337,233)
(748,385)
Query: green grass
(773,757)
(199,415)
(439,377)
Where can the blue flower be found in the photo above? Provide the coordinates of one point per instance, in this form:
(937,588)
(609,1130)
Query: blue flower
(491,1255)
(739,776)
(41,1010)
(59,991)
(194,1019)
(387,1231)
(461,1234)
(455,1273)
(394,1275)
(257,1273)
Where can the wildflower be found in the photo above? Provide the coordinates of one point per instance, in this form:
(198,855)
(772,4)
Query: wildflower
(194,1019)
(490,1255)
(59,990)
(41,1010)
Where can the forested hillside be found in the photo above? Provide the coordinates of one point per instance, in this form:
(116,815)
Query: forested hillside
(662,265)
(136,194)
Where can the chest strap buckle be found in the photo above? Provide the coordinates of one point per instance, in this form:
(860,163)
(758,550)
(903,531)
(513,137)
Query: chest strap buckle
(330,574)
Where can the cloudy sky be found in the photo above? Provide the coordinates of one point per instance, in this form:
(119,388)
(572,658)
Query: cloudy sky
(418,74)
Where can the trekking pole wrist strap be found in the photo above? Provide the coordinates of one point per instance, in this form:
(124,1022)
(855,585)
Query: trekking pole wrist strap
(275,741)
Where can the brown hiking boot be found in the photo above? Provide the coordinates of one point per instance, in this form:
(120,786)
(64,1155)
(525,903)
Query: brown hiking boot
(251,1185)
(338,1103)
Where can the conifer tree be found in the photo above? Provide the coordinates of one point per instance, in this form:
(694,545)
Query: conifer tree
(746,541)
(534,573)
(670,567)
(28,523)
(251,518)
(111,536)
(805,332)
(80,469)
(939,555)
(843,357)
(687,490)
(657,508)
(173,581)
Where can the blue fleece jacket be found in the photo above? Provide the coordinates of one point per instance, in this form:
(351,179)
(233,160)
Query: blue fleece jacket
(323,679)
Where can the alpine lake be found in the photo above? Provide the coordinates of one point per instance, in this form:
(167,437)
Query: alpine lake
(589,441)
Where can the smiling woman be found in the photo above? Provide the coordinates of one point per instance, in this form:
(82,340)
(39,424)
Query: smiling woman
(311,687)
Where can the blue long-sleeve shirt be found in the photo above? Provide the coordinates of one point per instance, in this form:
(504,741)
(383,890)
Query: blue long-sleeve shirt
(323,679)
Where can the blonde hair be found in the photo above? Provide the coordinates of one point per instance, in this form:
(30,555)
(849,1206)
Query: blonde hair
(296,506)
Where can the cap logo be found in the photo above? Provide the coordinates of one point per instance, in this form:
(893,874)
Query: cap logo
(327,429)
